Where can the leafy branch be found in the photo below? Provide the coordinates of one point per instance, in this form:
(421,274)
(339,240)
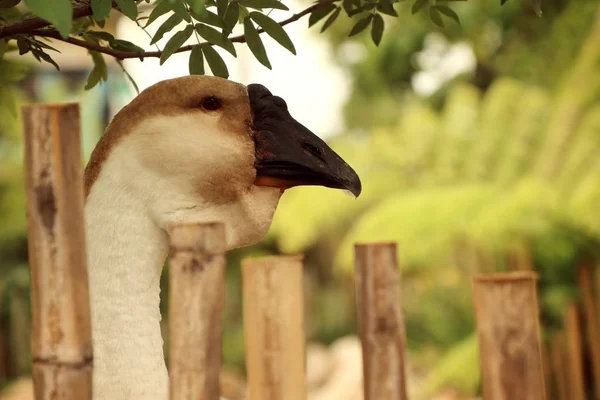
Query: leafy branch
(124,54)
(31,22)
(81,23)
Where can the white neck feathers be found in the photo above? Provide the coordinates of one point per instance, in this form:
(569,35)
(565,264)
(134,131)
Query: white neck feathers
(126,252)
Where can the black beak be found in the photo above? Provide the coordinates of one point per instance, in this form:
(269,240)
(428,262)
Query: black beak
(288,154)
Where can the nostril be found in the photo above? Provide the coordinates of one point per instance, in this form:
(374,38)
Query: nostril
(314,150)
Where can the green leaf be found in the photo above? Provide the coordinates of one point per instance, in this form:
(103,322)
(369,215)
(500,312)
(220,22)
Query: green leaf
(93,79)
(231,16)
(213,36)
(361,25)
(124,45)
(222,7)
(243,14)
(101,9)
(215,62)
(356,11)
(128,8)
(210,18)
(436,17)
(416,7)
(386,7)
(81,25)
(196,63)
(274,30)
(175,43)
(107,37)
(319,14)
(255,43)
(9,3)
(10,15)
(58,12)
(99,63)
(36,42)
(260,4)
(179,8)
(347,4)
(40,55)
(23,45)
(368,6)
(448,12)
(167,26)
(160,9)
(196,6)
(331,19)
(377,29)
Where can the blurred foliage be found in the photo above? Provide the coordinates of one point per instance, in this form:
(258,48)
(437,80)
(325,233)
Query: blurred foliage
(466,378)
(507,40)
(494,171)
(498,163)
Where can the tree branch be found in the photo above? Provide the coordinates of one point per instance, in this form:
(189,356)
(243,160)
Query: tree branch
(32,23)
(122,55)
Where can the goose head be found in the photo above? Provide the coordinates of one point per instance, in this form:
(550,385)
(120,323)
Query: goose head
(199,149)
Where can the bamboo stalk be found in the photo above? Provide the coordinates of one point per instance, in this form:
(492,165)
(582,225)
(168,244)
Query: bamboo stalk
(575,354)
(559,367)
(61,332)
(586,284)
(274,328)
(547,368)
(596,278)
(380,320)
(196,301)
(507,313)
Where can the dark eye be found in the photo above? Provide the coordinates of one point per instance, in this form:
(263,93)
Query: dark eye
(211,103)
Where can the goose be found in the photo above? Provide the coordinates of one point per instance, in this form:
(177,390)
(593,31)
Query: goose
(189,149)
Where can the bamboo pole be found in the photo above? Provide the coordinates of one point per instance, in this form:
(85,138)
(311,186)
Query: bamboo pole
(586,284)
(507,313)
(575,354)
(559,367)
(547,369)
(196,301)
(380,320)
(596,279)
(274,328)
(61,331)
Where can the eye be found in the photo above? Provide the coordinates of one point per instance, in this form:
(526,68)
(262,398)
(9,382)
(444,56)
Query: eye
(211,103)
